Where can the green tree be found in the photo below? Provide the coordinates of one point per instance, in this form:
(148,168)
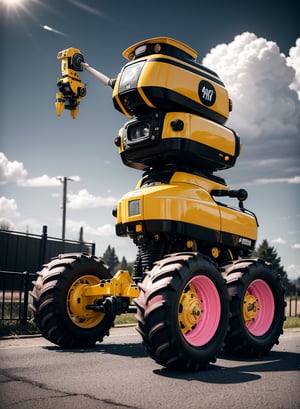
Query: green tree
(269,253)
(110,258)
(123,265)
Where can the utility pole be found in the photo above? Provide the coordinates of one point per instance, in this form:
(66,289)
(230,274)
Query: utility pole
(64,181)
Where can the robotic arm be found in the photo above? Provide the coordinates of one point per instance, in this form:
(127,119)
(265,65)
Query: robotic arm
(71,89)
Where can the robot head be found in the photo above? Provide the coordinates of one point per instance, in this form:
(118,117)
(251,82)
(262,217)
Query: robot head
(162,74)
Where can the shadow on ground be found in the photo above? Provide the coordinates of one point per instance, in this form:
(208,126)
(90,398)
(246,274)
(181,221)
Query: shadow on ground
(227,370)
(232,370)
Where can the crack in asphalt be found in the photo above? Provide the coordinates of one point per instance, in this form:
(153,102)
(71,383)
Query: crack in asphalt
(60,394)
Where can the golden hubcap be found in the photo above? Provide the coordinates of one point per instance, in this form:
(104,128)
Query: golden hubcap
(215,252)
(77,302)
(189,311)
(250,307)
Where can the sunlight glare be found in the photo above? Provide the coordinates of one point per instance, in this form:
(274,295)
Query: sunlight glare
(12,3)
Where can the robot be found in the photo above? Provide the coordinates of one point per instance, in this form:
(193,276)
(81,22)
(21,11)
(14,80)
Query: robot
(195,287)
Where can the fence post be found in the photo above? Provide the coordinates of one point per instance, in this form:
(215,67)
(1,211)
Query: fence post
(43,245)
(25,305)
(3,296)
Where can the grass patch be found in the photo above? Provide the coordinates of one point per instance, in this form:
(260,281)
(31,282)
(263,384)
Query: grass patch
(123,319)
(11,328)
(292,322)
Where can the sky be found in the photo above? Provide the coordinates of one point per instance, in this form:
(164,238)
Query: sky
(253,46)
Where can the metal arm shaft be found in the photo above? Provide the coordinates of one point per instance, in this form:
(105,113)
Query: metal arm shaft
(98,75)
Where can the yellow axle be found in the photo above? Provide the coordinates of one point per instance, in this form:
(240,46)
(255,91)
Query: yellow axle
(120,285)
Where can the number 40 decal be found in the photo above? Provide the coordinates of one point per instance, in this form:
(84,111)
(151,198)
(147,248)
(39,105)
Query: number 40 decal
(207,93)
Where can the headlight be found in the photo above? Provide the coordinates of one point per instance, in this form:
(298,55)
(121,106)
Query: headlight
(138,132)
(143,130)
(134,207)
(130,76)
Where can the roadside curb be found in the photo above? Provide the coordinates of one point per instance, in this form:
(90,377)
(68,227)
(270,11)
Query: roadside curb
(25,336)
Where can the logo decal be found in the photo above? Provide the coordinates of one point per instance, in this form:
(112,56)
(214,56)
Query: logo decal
(244,242)
(207,93)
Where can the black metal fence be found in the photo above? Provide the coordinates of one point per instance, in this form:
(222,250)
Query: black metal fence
(21,256)
(293,306)
(14,300)
(27,252)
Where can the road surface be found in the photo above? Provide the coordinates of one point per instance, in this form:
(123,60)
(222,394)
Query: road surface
(117,374)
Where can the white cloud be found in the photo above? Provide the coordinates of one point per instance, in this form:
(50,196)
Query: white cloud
(294,61)
(8,207)
(103,236)
(8,211)
(258,79)
(69,178)
(266,181)
(40,181)
(279,240)
(47,181)
(84,200)
(106,230)
(30,225)
(7,224)
(15,172)
(296,246)
(293,271)
(266,111)
(11,171)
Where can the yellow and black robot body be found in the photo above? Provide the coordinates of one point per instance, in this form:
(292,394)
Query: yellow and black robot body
(178,109)
(194,286)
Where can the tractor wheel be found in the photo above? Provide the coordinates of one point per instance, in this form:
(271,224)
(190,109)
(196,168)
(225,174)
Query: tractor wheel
(257,308)
(183,311)
(58,306)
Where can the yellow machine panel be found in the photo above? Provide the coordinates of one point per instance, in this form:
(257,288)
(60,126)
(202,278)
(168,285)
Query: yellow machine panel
(163,75)
(158,139)
(184,206)
(164,45)
(235,222)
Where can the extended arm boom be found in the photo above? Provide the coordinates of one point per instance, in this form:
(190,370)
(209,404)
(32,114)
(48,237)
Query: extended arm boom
(98,75)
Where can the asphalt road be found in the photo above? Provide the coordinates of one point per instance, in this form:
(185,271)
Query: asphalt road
(118,374)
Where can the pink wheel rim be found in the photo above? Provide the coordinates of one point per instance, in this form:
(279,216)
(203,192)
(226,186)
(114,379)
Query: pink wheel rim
(209,312)
(263,306)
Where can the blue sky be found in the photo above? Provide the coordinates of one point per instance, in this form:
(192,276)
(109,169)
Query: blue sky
(252,46)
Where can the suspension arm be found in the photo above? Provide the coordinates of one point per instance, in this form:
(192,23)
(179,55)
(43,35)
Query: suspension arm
(120,285)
